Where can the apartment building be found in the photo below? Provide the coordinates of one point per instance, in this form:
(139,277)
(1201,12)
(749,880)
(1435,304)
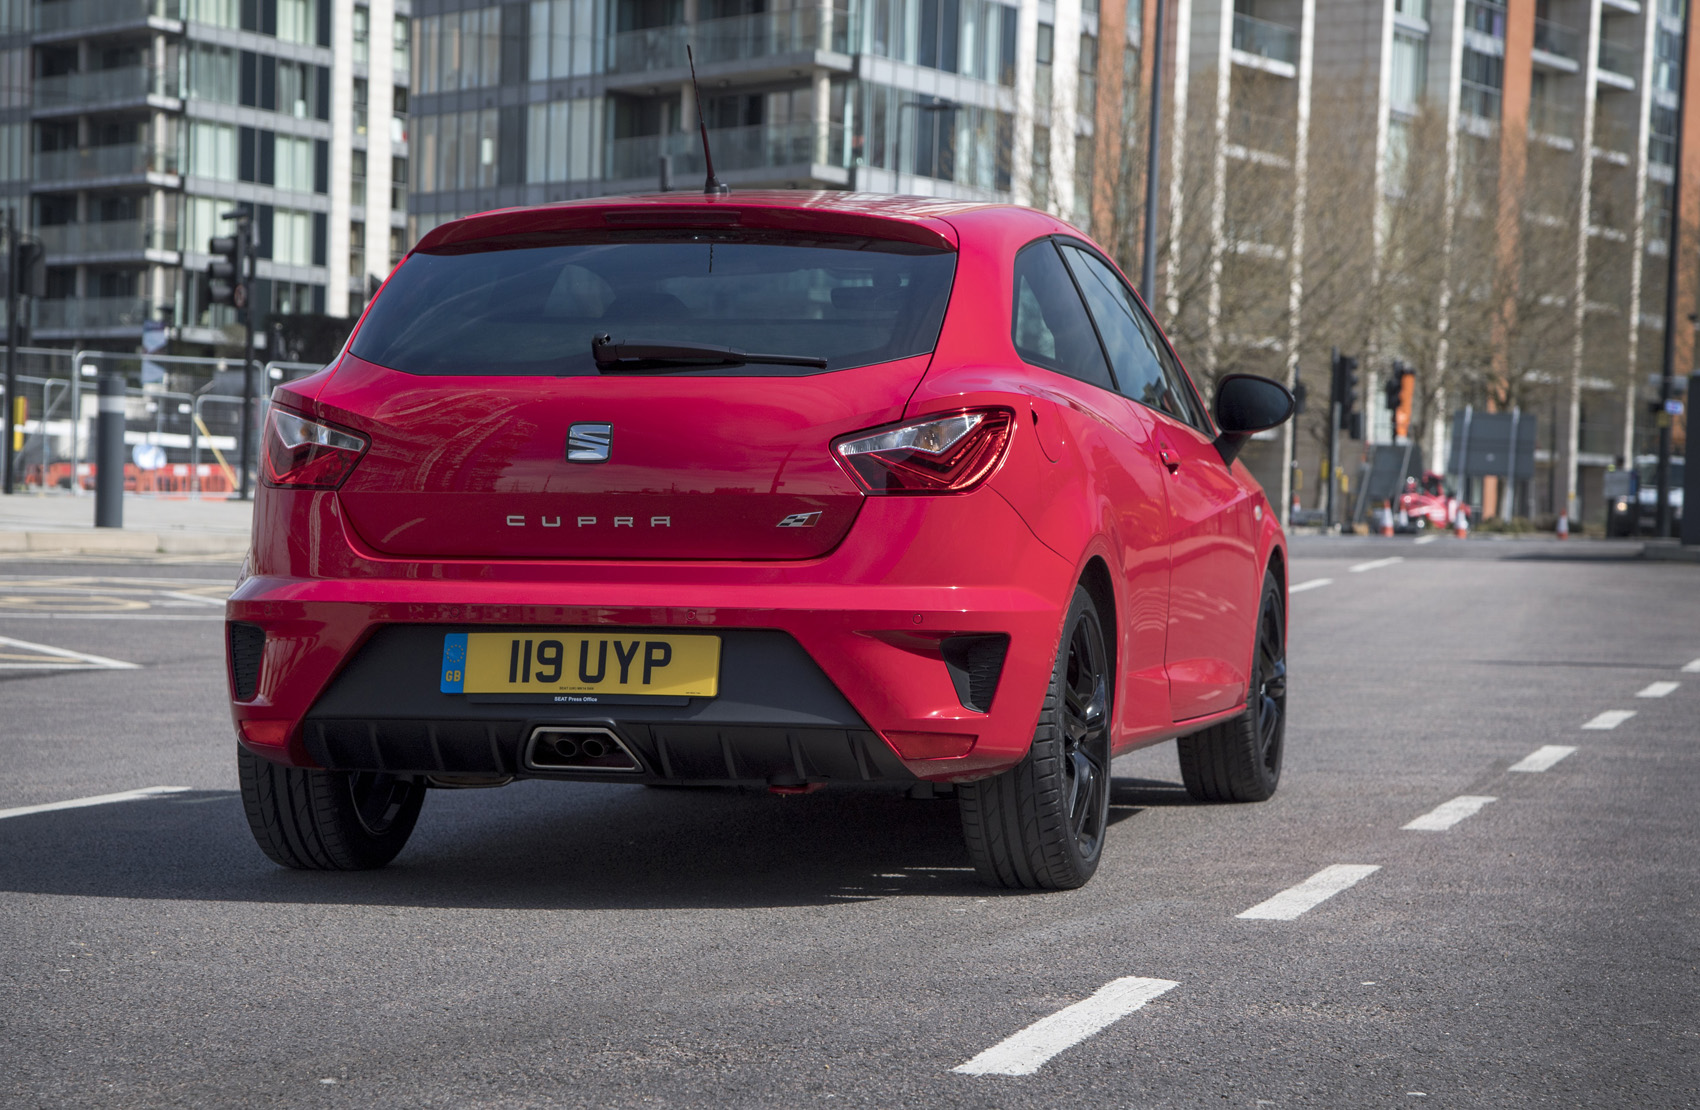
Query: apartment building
(524,103)
(148,120)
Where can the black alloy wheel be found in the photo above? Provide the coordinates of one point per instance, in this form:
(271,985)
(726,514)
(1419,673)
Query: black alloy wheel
(1042,823)
(1240,760)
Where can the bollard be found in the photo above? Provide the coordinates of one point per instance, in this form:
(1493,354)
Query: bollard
(109,454)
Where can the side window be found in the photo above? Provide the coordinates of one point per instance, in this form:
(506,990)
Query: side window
(1137,371)
(1143,363)
(1049,324)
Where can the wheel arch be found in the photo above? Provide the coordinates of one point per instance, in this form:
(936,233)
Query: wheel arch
(1095,576)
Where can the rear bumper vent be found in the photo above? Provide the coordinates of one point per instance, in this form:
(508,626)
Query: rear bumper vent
(976,664)
(247,644)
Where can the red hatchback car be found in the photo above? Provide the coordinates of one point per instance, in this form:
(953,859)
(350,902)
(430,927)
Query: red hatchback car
(784,489)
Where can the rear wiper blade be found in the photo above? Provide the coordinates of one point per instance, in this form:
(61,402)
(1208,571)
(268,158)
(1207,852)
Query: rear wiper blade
(645,355)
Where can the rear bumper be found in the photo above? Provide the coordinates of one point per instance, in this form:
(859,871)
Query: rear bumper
(350,657)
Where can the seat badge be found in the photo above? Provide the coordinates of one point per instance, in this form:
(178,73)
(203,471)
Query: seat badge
(801,520)
(589,442)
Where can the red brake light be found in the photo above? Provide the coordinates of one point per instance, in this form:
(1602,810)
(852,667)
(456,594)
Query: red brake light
(940,454)
(304,454)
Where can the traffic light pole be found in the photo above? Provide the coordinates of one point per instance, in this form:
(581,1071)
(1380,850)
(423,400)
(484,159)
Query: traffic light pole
(247,376)
(1333,430)
(1672,249)
(11,345)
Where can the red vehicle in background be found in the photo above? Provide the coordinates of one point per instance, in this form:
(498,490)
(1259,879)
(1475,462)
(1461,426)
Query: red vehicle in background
(1428,504)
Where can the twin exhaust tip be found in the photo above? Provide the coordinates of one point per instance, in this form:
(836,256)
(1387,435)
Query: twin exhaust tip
(563,748)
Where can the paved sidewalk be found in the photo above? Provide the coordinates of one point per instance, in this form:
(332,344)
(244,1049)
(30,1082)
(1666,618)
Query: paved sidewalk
(61,522)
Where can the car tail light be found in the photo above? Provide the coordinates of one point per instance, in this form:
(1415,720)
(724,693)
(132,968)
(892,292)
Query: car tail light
(941,454)
(304,454)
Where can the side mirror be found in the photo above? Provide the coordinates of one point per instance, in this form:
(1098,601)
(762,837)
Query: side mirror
(1247,404)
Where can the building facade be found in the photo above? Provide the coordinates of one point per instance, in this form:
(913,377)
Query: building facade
(148,120)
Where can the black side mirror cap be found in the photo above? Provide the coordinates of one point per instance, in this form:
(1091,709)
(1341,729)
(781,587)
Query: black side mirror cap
(1245,405)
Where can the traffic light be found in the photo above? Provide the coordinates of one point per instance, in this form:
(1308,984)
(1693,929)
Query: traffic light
(227,273)
(1402,390)
(1346,391)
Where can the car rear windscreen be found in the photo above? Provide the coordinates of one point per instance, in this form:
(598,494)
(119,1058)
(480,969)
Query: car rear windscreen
(529,309)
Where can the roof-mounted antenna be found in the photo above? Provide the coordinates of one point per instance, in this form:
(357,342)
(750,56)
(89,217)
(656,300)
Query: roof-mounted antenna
(713,186)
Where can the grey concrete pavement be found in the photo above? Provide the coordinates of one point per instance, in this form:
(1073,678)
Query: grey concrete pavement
(58,522)
(565,945)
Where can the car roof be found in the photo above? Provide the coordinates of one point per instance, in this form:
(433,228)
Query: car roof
(926,221)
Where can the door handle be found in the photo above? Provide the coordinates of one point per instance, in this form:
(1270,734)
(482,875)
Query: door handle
(1169,458)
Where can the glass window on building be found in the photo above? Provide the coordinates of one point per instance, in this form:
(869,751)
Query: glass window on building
(1086,91)
(562,140)
(1481,80)
(361,107)
(402,41)
(356,249)
(211,151)
(398,184)
(212,73)
(361,22)
(1416,9)
(1409,78)
(292,237)
(298,20)
(357,178)
(216,13)
(1041,167)
(294,167)
(1044,49)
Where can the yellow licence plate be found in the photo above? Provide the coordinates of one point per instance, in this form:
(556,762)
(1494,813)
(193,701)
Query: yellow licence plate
(580,663)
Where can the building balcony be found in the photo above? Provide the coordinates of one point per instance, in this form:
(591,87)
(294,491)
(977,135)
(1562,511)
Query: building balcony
(1619,62)
(1261,136)
(102,88)
(1553,120)
(1557,46)
(740,38)
(800,149)
(71,18)
(92,313)
(79,168)
(110,239)
(1485,17)
(1265,45)
(1480,101)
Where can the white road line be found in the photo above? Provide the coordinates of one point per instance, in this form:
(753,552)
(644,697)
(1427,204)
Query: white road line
(1611,718)
(97,800)
(1692,667)
(1027,1051)
(1314,891)
(199,599)
(79,660)
(1426,539)
(1447,814)
(1658,689)
(1313,584)
(1541,758)
(1376,564)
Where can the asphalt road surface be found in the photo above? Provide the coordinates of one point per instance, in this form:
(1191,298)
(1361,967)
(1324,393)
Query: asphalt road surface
(1478,886)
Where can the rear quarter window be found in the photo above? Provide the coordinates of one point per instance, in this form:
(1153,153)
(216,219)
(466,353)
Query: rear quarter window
(532,309)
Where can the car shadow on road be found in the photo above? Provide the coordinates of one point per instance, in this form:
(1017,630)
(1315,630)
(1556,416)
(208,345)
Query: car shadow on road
(532,845)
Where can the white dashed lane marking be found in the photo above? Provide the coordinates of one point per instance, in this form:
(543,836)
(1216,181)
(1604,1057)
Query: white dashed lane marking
(1447,814)
(1426,539)
(1658,689)
(97,800)
(1541,758)
(1313,584)
(1610,719)
(1314,891)
(22,655)
(1692,667)
(1027,1051)
(1376,564)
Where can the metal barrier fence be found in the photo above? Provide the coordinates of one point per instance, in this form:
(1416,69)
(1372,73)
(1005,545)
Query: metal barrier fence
(185,409)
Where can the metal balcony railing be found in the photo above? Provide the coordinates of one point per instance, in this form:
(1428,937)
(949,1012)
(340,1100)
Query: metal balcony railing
(1485,17)
(1481,101)
(1551,117)
(110,237)
(736,38)
(103,86)
(70,15)
(1556,38)
(122,160)
(1262,131)
(735,148)
(1265,39)
(1619,58)
(92,312)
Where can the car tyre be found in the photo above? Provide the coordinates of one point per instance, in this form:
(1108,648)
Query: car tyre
(327,820)
(1041,824)
(1240,760)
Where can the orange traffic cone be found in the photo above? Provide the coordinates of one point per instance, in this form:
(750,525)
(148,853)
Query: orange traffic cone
(1461,524)
(1386,514)
(1563,526)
